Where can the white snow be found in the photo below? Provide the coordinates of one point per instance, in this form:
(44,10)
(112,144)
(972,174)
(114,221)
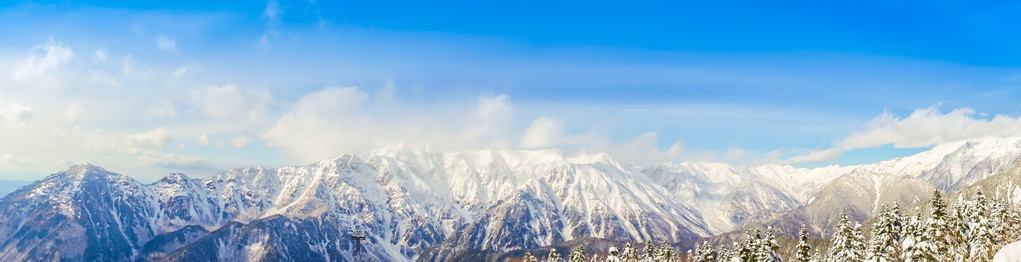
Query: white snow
(1009,253)
(400,187)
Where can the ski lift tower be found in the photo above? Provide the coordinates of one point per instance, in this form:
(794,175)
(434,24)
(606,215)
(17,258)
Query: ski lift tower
(358,236)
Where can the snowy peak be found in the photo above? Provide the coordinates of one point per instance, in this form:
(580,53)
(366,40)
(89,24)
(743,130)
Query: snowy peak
(410,199)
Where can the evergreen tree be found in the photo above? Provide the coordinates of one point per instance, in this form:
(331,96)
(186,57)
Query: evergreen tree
(911,237)
(960,230)
(934,244)
(897,228)
(665,252)
(803,251)
(997,211)
(705,253)
(767,250)
(650,251)
(858,242)
(748,248)
(578,254)
(554,256)
(629,254)
(980,239)
(529,257)
(846,245)
(1005,223)
(725,254)
(881,246)
(613,255)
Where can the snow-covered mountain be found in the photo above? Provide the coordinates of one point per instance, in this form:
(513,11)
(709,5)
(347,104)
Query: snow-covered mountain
(416,199)
(861,191)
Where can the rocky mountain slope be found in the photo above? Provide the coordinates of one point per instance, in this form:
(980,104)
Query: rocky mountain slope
(949,167)
(413,200)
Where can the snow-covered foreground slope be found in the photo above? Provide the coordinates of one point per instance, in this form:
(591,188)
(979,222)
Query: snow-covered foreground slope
(413,199)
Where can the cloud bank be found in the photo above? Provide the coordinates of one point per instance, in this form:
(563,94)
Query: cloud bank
(922,128)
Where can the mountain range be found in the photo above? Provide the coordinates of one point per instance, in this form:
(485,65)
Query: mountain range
(426,203)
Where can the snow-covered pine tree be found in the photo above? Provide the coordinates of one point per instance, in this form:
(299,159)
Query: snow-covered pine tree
(748,248)
(980,240)
(803,251)
(897,227)
(1014,223)
(629,254)
(665,252)
(998,211)
(613,255)
(529,257)
(858,242)
(882,243)
(960,230)
(1005,221)
(767,249)
(705,253)
(554,256)
(933,245)
(911,235)
(845,245)
(578,254)
(650,251)
(725,254)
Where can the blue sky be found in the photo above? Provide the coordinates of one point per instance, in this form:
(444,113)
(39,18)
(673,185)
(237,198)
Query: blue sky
(147,88)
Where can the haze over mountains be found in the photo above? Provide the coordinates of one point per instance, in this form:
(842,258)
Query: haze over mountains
(445,204)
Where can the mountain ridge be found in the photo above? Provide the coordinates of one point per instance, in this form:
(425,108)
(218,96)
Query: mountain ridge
(412,199)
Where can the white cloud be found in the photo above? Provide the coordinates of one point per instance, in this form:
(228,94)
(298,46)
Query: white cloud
(148,141)
(15,113)
(333,121)
(321,125)
(166,43)
(238,141)
(549,132)
(10,160)
(177,162)
(735,153)
(817,156)
(101,77)
(185,69)
(643,150)
(922,128)
(163,110)
(493,114)
(131,68)
(135,143)
(543,132)
(202,140)
(332,102)
(74,112)
(493,108)
(42,60)
(99,56)
(230,102)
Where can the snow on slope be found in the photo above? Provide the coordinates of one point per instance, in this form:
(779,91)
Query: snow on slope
(410,199)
